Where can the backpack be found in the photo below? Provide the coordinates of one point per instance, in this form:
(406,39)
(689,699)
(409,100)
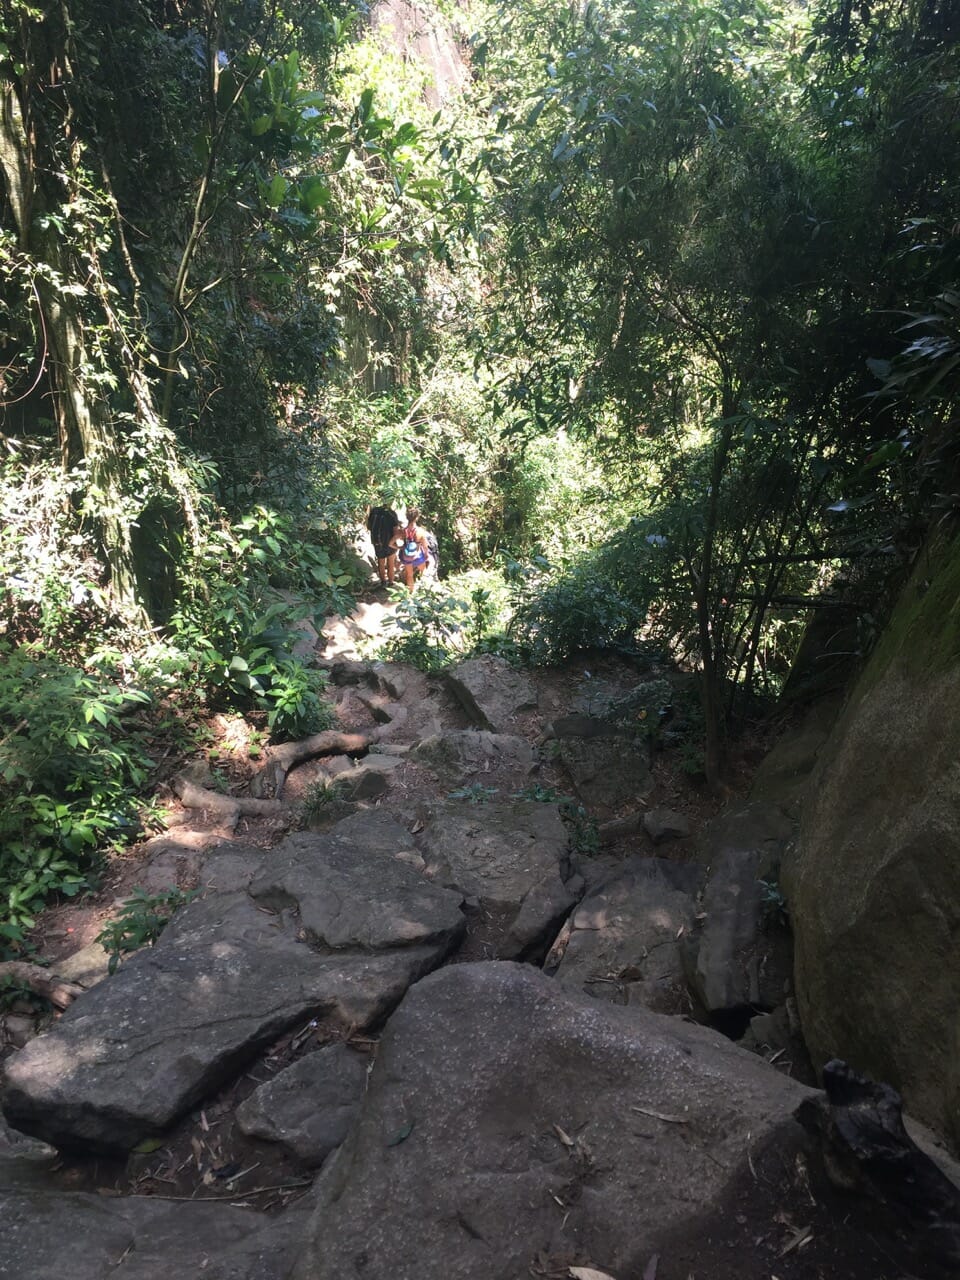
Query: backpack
(381,523)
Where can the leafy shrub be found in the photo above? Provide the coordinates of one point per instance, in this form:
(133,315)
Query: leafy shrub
(442,623)
(140,922)
(428,629)
(582,608)
(584,831)
(70,767)
(235,632)
(51,579)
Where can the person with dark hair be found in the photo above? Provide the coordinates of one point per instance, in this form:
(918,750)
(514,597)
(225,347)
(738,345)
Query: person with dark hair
(383,524)
(414,550)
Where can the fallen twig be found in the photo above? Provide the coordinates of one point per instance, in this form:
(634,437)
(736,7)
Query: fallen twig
(659,1115)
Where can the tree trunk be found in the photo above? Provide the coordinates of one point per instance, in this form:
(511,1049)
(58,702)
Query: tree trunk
(84,419)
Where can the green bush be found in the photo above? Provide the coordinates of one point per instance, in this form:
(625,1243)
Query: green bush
(70,767)
(582,608)
(52,581)
(243,592)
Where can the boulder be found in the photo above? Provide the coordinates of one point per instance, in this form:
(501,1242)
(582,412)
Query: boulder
(231,866)
(460,753)
(47,1235)
(663,824)
(509,858)
(350,638)
(349,893)
(607,773)
(308,1108)
(511,1128)
(874,892)
(739,956)
(760,828)
(369,778)
(392,678)
(338,926)
(491,691)
(621,943)
(782,776)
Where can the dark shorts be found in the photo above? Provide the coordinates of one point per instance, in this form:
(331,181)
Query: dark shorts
(384,552)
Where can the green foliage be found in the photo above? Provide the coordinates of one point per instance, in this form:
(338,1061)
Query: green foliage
(584,607)
(428,628)
(318,800)
(54,592)
(474,793)
(140,922)
(237,635)
(13,994)
(70,767)
(773,904)
(540,794)
(583,829)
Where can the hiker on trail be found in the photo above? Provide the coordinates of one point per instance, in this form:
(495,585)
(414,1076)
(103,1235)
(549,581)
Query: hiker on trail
(414,549)
(385,530)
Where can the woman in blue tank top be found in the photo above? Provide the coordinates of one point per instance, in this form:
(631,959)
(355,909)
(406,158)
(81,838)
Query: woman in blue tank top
(414,553)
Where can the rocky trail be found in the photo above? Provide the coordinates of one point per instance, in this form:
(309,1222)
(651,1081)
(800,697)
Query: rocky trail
(428,1018)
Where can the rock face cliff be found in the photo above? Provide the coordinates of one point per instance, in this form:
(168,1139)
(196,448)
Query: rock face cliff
(874,889)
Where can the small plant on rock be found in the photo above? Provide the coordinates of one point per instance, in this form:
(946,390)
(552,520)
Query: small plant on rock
(541,794)
(319,799)
(140,922)
(584,832)
(475,793)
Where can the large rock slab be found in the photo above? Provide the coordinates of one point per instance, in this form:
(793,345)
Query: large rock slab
(309,1107)
(458,754)
(48,1235)
(353,897)
(351,927)
(874,894)
(511,1129)
(622,942)
(491,691)
(511,858)
(607,773)
(739,957)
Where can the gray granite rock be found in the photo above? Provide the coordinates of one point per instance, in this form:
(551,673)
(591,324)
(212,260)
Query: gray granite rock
(622,941)
(48,1235)
(338,926)
(491,691)
(509,857)
(664,824)
(456,755)
(607,773)
(740,955)
(508,1123)
(308,1108)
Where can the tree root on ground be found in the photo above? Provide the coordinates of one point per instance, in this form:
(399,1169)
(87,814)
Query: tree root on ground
(281,759)
(40,981)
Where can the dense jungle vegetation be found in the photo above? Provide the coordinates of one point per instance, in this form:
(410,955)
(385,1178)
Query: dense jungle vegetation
(651,307)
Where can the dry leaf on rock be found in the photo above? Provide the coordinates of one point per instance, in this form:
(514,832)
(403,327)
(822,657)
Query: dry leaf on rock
(590,1273)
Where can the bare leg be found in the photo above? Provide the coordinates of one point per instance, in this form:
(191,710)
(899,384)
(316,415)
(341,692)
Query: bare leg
(408,576)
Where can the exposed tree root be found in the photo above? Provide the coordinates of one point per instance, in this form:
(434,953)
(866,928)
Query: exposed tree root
(41,982)
(281,759)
